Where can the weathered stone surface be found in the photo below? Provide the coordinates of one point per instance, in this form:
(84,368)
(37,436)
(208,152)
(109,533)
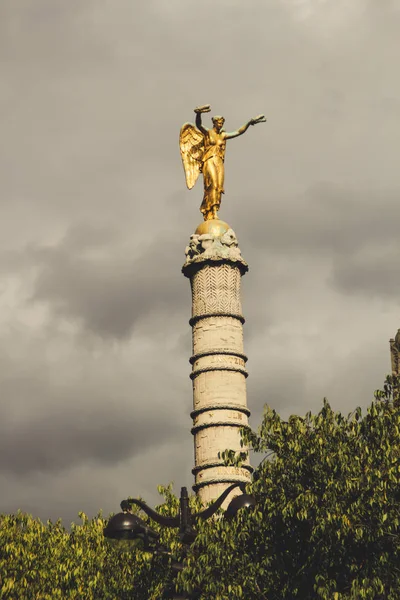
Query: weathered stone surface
(214,333)
(216,289)
(219,387)
(215,266)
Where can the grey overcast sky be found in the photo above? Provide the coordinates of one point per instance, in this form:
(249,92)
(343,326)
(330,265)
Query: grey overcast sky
(95,216)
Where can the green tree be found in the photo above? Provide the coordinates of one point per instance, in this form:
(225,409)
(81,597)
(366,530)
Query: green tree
(327,518)
(326,525)
(46,562)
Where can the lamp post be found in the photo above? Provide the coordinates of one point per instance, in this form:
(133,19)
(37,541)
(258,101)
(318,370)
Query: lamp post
(127,526)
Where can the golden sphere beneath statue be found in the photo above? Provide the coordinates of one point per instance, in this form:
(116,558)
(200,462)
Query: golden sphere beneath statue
(215,227)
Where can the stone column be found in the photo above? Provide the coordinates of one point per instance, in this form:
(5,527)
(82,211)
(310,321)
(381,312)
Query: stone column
(214,266)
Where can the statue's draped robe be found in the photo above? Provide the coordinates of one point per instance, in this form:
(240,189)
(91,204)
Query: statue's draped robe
(213,171)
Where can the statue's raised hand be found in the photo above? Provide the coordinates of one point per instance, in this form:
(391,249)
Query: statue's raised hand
(203,109)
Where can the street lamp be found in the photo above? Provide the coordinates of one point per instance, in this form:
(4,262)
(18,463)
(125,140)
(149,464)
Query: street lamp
(126,526)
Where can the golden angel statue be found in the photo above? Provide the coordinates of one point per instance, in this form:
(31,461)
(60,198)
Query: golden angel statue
(203,151)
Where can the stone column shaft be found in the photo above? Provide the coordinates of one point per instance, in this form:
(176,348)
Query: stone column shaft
(218,360)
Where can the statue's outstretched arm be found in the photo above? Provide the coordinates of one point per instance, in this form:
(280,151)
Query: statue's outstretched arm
(244,128)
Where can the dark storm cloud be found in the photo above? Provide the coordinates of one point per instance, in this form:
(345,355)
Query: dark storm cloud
(109,294)
(329,219)
(57,414)
(286,388)
(65,435)
(375,272)
(353,231)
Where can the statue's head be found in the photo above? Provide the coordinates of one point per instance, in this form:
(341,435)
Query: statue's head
(218,122)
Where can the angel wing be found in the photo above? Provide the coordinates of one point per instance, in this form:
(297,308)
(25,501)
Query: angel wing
(191,143)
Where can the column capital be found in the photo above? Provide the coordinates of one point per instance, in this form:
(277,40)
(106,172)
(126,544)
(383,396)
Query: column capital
(215,246)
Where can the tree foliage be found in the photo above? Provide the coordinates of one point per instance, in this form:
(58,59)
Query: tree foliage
(46,562)
(327,519)
(326,525)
